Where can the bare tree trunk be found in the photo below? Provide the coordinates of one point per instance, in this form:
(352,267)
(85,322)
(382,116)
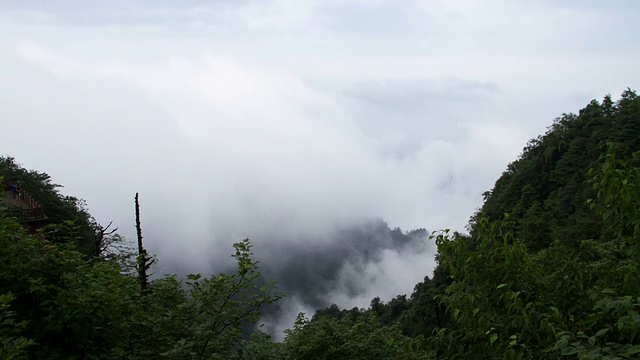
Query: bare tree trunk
(144,261)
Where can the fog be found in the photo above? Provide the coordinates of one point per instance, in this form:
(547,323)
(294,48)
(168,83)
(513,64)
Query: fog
(312,128)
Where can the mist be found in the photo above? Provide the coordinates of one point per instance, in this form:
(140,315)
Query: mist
(285,166)
(313,128)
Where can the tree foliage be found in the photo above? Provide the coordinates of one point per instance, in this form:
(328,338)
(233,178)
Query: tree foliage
(545,190)
(354,336)
(68,218)
(551,267)
(69,307)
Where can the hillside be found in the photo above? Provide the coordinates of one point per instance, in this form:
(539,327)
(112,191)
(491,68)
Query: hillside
(550,267)
(546,189)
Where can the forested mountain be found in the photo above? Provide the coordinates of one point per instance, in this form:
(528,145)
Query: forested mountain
(549,269)
(546,189)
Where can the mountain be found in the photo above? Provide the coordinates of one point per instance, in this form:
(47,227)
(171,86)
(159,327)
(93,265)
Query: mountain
(550,267)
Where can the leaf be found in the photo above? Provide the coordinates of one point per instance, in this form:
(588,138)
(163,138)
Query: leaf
(509,354)
(632,350)
(456,313)
(568,351)
(194,277)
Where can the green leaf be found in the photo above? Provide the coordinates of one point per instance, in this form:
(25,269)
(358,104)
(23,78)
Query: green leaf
(194,277)
(632,350)
(568,351)
(509,354)
(456,313)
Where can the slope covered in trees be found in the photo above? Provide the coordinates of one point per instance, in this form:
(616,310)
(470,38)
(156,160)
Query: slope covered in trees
(67,216)
(546,189)
(549,269)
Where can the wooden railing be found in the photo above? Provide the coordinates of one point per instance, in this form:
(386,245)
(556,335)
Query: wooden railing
(27,215)
(29,200)
(33,213)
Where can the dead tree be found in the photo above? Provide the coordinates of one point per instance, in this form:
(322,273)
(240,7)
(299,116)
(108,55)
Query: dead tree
(144,260)
(102,239)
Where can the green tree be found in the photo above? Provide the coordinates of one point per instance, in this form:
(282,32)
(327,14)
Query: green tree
(567,299)
(13,344)
(361,337)
(68,214)
(69,307)
(545,189)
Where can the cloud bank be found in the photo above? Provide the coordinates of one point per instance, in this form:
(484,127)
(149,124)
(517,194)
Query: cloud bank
(298,123)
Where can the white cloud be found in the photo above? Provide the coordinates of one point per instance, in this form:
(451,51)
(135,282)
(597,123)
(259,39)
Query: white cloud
(396,273)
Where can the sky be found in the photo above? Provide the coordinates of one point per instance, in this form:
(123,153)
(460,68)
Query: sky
(291,122)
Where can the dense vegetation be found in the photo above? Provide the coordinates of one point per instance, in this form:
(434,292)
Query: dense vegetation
(549,269)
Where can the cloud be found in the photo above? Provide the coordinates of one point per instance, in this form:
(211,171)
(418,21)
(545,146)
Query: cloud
(295,122)
(348,266)
(220,150)
(370,18)
(426,97)
(265,147)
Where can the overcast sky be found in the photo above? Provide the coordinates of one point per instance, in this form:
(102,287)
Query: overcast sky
(289,119)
